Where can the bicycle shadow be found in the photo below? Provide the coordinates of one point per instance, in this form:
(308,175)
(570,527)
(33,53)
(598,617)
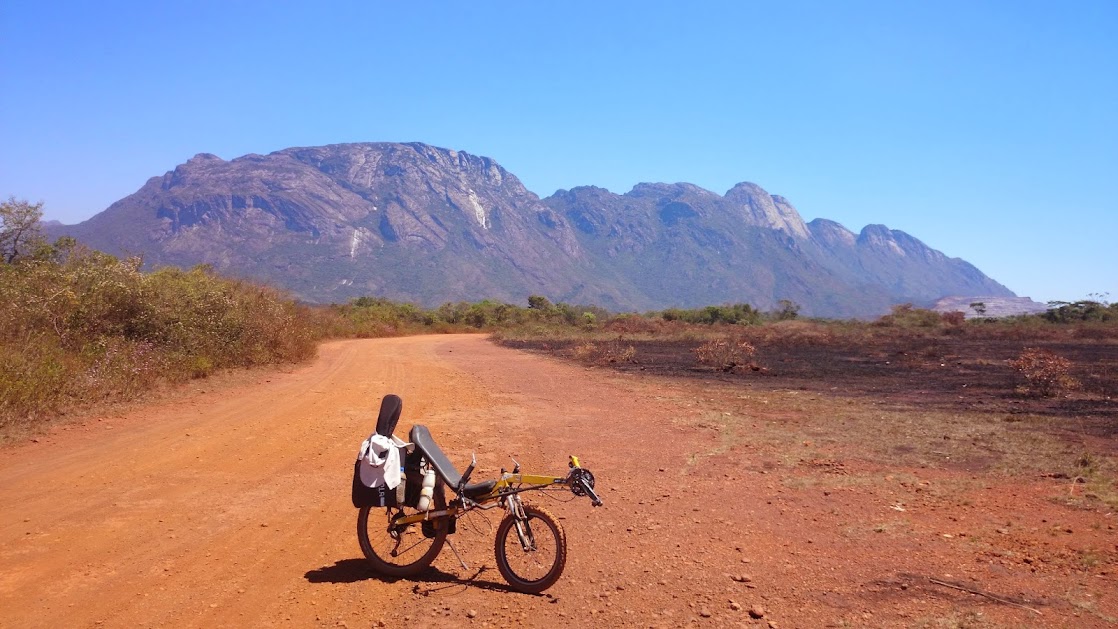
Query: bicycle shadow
(430,581)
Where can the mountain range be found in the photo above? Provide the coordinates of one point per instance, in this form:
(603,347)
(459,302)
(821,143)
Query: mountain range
(424,224)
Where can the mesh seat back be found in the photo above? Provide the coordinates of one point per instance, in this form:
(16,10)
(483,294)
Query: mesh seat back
(421,437)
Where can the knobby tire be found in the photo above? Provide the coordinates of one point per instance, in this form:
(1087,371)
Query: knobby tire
(518,567)
(376,543)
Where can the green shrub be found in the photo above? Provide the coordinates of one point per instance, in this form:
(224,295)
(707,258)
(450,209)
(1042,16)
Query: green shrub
(1085,310)
(35,379)
(79,326)
(116,367)
(907,316)
(744,314)
(789,310)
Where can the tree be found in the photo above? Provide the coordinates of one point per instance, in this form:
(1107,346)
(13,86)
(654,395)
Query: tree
(539,302)
(788,310)
(1085,310)
(21,233)
(979,308)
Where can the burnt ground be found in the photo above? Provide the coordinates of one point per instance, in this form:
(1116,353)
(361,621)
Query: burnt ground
(953,373)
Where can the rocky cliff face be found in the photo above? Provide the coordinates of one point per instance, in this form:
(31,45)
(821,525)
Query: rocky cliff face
(407,221)
(419,223)
(682,245)
(760,209)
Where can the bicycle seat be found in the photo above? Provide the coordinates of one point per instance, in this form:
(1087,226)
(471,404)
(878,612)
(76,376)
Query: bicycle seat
(421,437)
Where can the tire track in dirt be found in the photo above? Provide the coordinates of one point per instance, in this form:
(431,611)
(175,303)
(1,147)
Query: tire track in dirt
(230,507)
(212,509)
(166,517)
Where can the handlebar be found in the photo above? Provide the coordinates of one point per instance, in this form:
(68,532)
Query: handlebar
(466,475)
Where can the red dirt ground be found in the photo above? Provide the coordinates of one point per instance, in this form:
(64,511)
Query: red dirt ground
(229,506)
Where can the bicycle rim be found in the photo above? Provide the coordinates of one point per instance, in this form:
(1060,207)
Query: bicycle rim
(538,566)
(399,552)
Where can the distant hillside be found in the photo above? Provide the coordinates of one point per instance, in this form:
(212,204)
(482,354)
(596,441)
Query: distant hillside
(680,244)
(425,224)
(990,306)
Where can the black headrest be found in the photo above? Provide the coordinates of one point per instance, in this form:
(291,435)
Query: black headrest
(390,408)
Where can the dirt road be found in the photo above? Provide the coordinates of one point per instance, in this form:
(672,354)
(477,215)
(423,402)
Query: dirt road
(230,507)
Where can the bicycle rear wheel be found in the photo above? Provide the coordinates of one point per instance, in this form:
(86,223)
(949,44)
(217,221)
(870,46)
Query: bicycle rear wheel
(531,553)
(401,551)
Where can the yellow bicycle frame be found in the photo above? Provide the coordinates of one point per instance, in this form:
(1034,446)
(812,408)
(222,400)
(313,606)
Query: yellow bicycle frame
(506,485)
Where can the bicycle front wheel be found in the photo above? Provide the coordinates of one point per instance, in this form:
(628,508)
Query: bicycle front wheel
(531,553)
(401,551)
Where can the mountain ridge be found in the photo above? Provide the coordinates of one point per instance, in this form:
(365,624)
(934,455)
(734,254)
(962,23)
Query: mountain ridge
(420,223)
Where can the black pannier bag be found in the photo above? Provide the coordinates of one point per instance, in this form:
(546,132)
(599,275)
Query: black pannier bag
(379,496)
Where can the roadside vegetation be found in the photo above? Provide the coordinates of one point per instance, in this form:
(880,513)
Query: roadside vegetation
(79,327)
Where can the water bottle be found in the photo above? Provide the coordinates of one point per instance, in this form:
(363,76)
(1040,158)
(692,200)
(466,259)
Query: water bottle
(427,492)
(401,489)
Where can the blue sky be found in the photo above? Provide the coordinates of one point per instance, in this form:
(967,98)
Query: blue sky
(989,130)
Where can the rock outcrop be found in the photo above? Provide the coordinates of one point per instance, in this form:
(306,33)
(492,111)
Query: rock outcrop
(989,306)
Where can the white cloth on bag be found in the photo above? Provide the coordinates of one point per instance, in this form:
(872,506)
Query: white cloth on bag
(380,462)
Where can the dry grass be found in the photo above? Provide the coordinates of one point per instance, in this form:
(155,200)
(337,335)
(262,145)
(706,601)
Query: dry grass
(819,436)
(91,328)
(605,352)
(731,353)
(810,427)
(1045,372)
